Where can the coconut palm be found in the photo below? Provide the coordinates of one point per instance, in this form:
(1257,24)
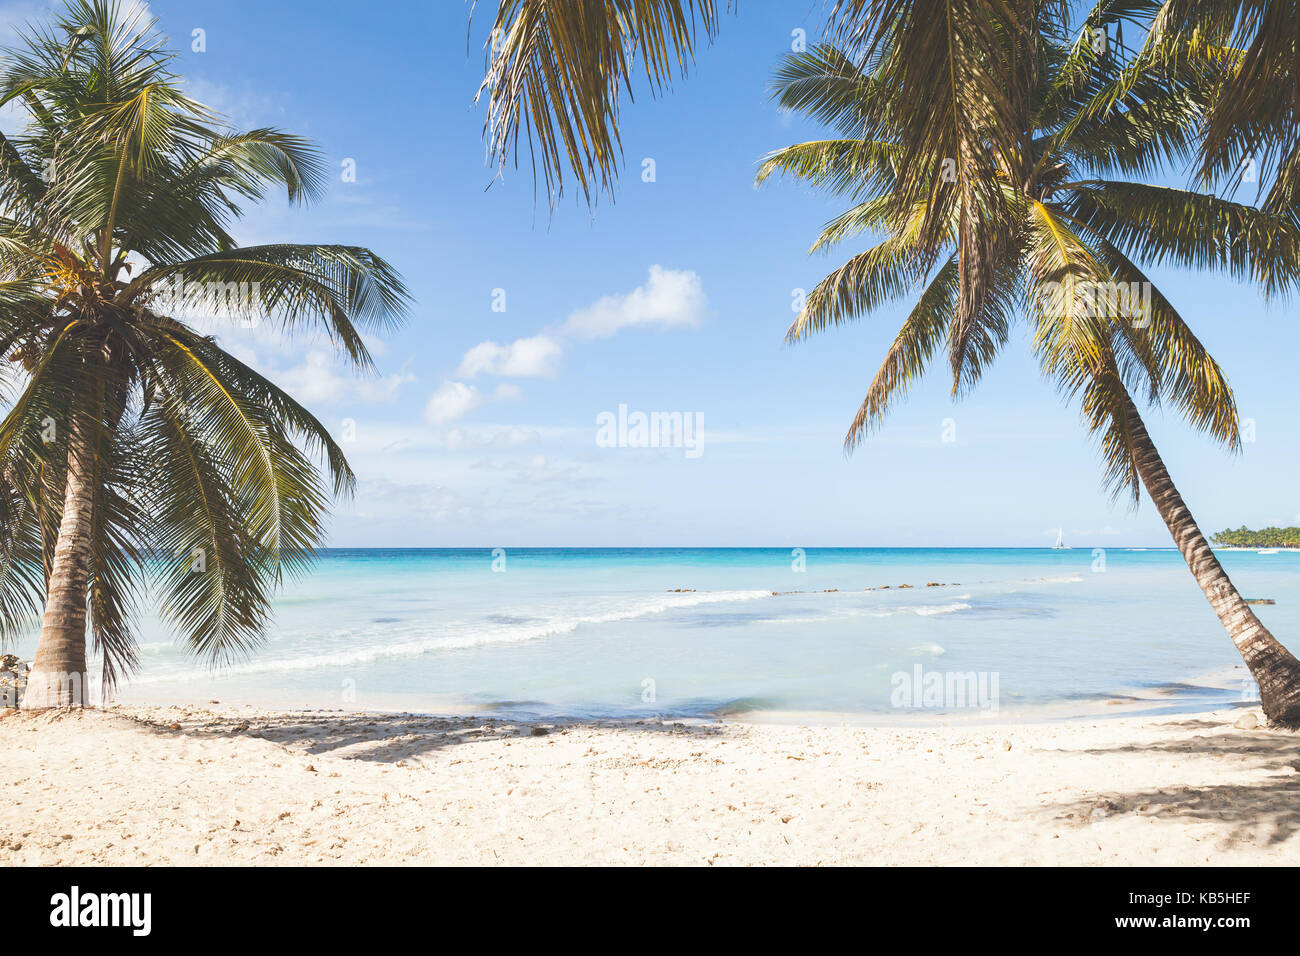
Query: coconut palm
(556,70)
(137,453)
(1045,237)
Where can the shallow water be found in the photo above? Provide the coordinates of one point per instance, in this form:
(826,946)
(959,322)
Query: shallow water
(582,633)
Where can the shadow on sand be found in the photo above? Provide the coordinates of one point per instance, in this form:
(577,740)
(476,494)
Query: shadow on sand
(389,738)
(1266,812)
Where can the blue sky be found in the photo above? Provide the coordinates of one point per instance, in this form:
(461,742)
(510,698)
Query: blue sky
(481,427)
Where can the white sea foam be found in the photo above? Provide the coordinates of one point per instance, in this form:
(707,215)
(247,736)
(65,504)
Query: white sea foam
(462,635)
(922,610)
(940,609)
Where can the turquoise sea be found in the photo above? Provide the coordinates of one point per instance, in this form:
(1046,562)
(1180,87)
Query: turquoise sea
(604,632)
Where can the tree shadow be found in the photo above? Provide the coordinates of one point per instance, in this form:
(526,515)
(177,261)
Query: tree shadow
(390,738)
(1268,810)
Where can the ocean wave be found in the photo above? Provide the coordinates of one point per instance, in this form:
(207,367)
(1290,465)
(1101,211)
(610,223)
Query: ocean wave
(848,613)
(473,636)
(921,610)
(940,609)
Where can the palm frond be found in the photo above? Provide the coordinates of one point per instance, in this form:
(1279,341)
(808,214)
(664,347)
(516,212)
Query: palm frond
(1255,112)
(1175,361)
(556,71)
(884,272)
(296,421)
(212,572)
(340,290)
(1159,224)
(926,327)
(842,166)
(118,561)
(281,500)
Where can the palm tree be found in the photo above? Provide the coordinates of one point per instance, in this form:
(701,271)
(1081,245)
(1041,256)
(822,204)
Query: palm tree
(556,70)
(138,453)
(990,230)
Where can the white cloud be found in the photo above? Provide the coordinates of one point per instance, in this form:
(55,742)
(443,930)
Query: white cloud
(669,298)
(451,401)
(522,358)
(243,109)
(306,364)
(321,379)
(513,437)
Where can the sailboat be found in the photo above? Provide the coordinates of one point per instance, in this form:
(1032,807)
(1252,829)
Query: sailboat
(1060,541)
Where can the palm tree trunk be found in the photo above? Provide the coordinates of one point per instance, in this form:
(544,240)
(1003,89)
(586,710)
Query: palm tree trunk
(1275,669)
(58,677)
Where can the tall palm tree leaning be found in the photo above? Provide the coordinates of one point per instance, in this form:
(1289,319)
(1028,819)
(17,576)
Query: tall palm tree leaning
(990,230)
(137,452)
(973,74)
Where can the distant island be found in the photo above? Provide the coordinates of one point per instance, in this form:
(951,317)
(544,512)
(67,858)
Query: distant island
(1270,537)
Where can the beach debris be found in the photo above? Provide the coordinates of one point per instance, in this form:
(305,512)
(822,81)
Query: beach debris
(1247,721)
(1102,809)
(1006,745)
(883,587)
(539,732)
(173,726)
(11,673)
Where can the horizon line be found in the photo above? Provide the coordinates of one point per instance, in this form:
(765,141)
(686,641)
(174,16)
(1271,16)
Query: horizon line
(741,547)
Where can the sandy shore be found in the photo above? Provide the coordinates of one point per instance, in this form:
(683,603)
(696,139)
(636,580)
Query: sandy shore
(173,785)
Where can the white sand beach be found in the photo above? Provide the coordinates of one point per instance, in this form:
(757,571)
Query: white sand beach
(213,785)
